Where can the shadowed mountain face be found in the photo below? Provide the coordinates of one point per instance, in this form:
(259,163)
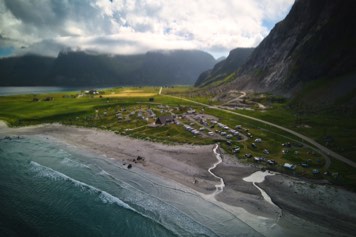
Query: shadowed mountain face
(19,71)
(84,69)
(222,69)
(312,52)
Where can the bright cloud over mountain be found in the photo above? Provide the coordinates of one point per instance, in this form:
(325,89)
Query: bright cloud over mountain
(136,26)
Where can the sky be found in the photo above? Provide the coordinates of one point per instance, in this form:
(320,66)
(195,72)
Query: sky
(46,27)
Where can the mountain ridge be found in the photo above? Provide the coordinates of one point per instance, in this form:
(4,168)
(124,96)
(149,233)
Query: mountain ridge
(80,68)
(236,58)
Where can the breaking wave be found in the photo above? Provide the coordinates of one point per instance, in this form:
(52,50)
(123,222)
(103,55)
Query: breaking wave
(105,197)
(73,163)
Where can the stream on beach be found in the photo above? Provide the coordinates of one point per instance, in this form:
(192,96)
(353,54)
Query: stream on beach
(51,189)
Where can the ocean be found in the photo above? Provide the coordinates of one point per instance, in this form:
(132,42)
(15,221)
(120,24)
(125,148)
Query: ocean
(48,188)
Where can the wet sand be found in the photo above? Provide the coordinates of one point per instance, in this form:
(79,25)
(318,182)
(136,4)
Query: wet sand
(295,208)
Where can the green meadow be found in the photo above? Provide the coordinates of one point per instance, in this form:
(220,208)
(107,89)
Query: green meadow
(100,111)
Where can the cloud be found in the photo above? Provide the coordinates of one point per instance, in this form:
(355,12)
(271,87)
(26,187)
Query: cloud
(136,26)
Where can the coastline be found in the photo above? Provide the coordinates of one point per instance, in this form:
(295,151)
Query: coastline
(189,166)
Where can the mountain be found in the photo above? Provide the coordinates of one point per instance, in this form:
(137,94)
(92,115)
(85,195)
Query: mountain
(310,54)
(19,71)
(236,59)
(222,58)
(85,69)
(174,67)
(91,69)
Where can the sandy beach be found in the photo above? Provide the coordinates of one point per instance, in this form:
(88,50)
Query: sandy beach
(320,210)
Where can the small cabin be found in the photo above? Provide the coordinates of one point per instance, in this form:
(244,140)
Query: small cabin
(92,92)
(165,119)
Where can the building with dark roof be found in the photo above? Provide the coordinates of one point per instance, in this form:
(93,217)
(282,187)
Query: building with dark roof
(165,119)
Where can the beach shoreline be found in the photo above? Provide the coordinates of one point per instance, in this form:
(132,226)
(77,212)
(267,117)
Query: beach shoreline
(188,165)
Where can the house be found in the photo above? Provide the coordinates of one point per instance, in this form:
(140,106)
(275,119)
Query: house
(48,99)
(165,119)
(92,92)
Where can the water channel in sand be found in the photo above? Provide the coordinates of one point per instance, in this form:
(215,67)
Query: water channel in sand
(219,187)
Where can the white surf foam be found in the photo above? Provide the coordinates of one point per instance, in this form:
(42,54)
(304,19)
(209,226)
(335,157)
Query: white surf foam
(105,197)
(103,172)
(69,162)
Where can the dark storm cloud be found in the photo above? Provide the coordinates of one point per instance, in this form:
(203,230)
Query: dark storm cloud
(50,18)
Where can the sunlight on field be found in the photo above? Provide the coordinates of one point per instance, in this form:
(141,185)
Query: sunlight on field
(130,93)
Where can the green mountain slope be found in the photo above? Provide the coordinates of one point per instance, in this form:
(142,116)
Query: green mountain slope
(222,69)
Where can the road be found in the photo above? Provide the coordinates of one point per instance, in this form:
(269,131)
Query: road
(322,148)
(239,98)
(243,94)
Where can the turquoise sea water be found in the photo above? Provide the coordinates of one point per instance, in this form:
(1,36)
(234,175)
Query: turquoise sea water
(51,189)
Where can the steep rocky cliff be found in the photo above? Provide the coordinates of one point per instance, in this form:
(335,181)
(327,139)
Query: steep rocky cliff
(315,44)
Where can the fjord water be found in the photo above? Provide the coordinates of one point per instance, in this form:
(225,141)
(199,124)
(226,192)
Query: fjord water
(48,188)
(22,90)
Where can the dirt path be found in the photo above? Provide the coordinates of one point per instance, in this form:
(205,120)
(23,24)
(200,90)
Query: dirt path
(243,94)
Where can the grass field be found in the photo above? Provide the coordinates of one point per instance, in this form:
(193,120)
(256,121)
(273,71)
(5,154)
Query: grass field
(131,92)
(100,111)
